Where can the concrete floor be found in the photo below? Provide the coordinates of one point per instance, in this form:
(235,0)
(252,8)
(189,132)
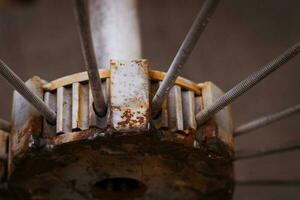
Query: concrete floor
(41,39)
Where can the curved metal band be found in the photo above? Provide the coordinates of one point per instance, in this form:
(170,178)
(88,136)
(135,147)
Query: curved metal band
(105,73)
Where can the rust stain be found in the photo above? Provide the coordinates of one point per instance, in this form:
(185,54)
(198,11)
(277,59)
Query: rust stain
(130,121)
(174,170)
(73,136)
(21,138)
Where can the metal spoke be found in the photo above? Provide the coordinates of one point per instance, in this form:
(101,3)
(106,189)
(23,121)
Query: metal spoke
(32,98)
(89,56)
(183,53)
(265,120)
(267,182)
(256,154)
(247,84)
(4,125)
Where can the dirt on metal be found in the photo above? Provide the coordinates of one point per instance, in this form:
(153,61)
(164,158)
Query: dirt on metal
(127,167)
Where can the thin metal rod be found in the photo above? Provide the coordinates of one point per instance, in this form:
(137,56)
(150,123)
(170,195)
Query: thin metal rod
(267,182)
(198,26)
(240,155)
(266,120)
(84,28)
(4,125)
(32,98)
(247,84)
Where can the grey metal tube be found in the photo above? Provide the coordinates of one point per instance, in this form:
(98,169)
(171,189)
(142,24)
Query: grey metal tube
(198,26)
(4,125)
(247,84)
(32,98)
(115,30)
(89,56)
(265,120)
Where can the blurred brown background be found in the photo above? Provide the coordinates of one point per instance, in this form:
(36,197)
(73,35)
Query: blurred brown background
(41,39)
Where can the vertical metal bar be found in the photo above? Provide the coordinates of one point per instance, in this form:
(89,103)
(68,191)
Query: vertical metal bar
(75,105)
(32,98)
(188,104)
(265,120)
(175,115)
(50,99)
(247,84)
(115,30)
(80,106)
(64,110)
(202,19)
(89,56)
(4,125)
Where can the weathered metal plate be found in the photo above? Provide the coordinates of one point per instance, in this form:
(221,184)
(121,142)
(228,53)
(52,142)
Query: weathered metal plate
(220,126)
(26,120)
(129,95)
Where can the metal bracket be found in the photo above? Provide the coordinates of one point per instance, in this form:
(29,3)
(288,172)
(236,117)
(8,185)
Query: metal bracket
(220,126)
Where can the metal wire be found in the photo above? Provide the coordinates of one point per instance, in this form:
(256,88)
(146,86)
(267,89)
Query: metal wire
(266,182)
(256,154)
(32,98)
(265,120)
(246,84)
(198,26)
(4,125)
(84,28)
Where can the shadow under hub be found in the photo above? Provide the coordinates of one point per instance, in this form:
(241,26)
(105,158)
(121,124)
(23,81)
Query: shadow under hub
(124,155)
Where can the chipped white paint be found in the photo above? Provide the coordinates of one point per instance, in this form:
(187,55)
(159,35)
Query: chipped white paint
(129,95)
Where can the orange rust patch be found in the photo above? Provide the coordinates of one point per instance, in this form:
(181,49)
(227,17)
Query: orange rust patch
(129,121)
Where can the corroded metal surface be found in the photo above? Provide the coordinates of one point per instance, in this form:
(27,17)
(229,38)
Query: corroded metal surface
(79,170)
(129,96)
(73,103)
(26,120)
(129,112)
(81,157)
(177,117)
(220,125)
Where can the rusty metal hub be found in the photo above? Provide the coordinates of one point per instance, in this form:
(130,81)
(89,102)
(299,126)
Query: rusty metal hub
(125,153)
(93,169)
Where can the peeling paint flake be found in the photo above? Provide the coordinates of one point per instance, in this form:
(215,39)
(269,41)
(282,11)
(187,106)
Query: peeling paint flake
(129,90)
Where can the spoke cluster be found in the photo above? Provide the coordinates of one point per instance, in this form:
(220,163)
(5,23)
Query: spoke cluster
(196,30)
